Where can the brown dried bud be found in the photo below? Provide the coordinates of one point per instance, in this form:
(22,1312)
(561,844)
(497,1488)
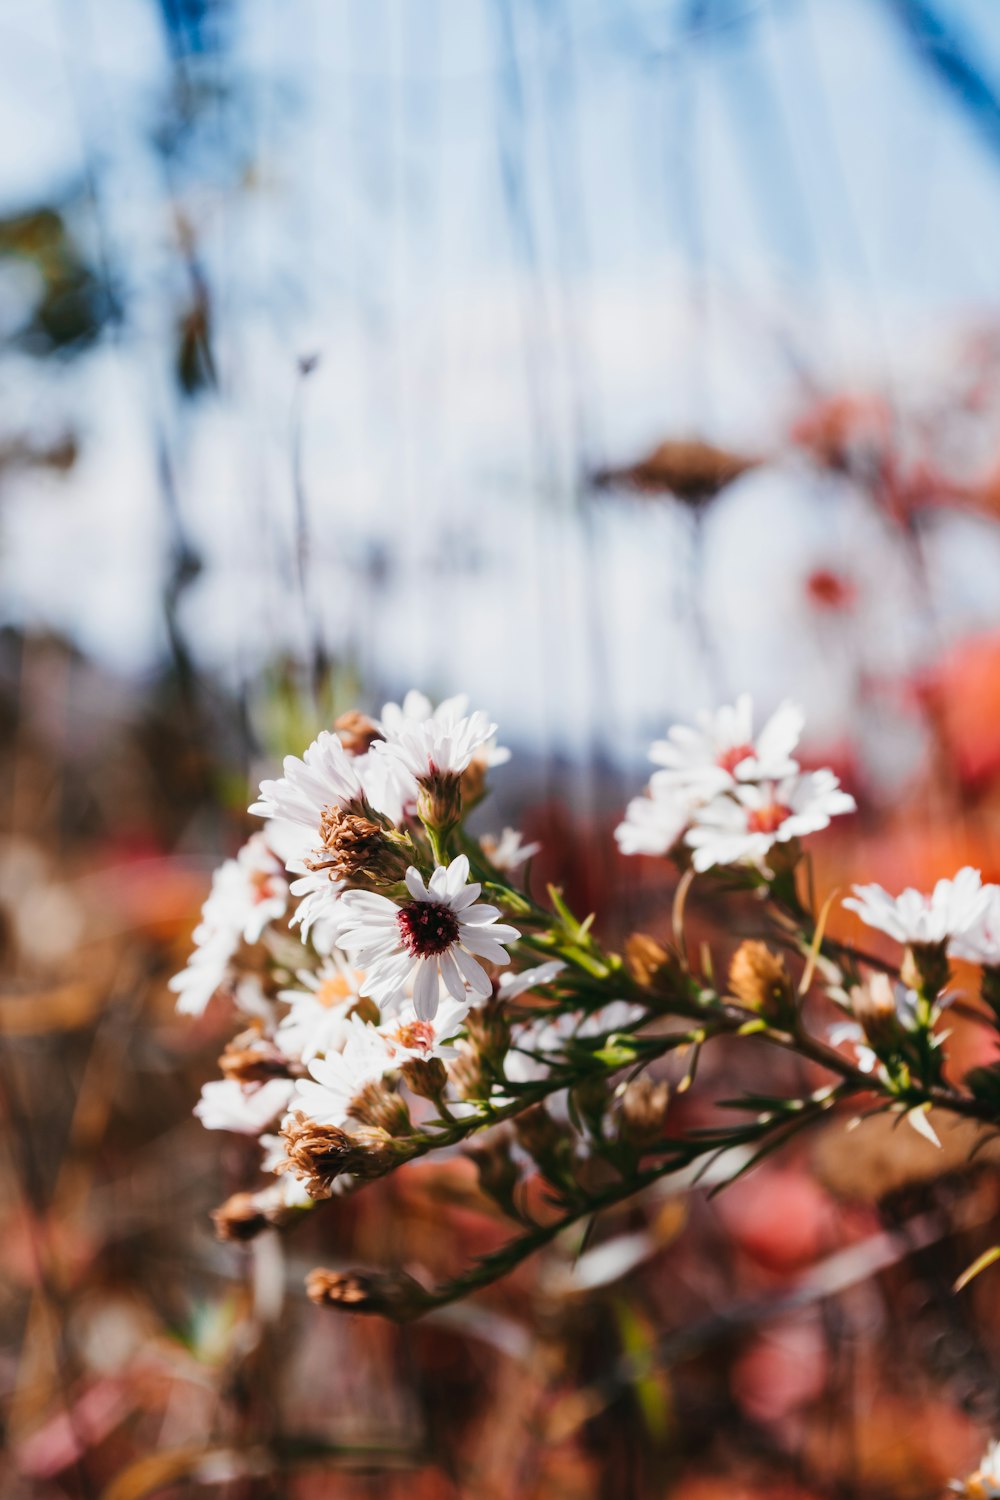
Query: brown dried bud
(318,1154)
(357,850)
(380,1107)
(652,966)
(357,732)
(545,1142)
(246,1215)
(469,1074)
(644,1110)
(240,1218)
(498,1173)
(426,1076)
(874,1005)
(758,978)
(925,968)
(439,800)
(488,1030)
(389,1294)
(250,1058)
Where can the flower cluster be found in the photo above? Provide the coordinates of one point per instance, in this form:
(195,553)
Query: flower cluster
(402,992)
(729,796)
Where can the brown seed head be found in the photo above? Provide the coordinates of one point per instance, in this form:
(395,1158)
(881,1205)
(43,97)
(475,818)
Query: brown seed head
(389,1294)
(758,978)
(318,1154)
(357,850)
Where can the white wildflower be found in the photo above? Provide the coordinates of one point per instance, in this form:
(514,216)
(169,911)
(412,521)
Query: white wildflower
(723,749)
(438,934)
(742,827)
(952,911)
(248,1108)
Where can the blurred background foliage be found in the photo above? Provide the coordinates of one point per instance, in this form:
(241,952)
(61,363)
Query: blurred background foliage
(602,358)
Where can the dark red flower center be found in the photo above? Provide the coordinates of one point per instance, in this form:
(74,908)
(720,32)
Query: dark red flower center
(735,756)
(427,928)
(767,819)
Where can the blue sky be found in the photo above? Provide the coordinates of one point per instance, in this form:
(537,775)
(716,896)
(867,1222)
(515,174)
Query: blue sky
(524,238)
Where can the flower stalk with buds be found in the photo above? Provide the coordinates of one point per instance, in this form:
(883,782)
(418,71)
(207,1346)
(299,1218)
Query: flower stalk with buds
(442,1005)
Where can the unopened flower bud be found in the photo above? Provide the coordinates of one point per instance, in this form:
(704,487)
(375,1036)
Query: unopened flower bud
(240,1218)
(644,1111)
(382,1108)
(925,967)
(470,1076)
(250,1058)
(390,1294)
(426,1077)
(439,800)
(498,1173)
(590,1098)
(246,1215)
(874,1006)
(545,1142)
(357,732)
(758,978)
(488,1030)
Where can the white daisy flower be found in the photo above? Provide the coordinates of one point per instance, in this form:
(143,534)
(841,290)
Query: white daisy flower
(654,823)
(953,910)
(416,709)
(434,936)
(318,896)
(248,1108)
(980,944)
(325,775)
(438,745)
(316,1022)
(247,894)
(741,827)
(724,750)
(508,850)
(338,1078)
(407,1036)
